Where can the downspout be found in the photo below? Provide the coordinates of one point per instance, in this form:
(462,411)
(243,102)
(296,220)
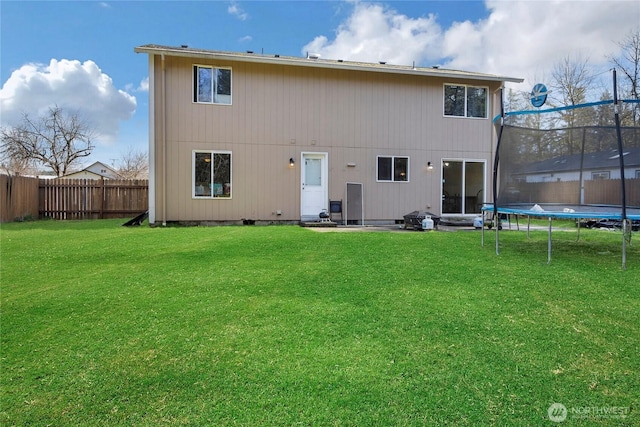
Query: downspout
(153,134)
(164,144)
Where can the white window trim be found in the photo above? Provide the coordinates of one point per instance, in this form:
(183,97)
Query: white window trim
(444,89)
(392,169)
(193,174)
(600,175)
(193,84)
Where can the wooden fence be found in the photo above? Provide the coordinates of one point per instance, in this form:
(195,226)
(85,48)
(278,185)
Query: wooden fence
(596,192)
(92,198)
(71,198)
(18,197)
(607,191)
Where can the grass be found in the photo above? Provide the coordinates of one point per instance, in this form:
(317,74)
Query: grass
(108,325)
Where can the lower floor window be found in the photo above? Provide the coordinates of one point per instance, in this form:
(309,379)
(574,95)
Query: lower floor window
(394,169)
(212,174)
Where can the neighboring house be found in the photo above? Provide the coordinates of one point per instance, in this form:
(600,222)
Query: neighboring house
(270,138)
(96,170)
(598,165)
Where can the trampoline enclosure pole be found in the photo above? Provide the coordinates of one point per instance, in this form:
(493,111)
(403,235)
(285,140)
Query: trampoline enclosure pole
(495,170)
(622,179)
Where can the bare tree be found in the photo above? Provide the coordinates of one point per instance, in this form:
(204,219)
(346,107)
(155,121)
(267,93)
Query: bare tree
(14,166)
(572,78)
(56,140)
(628,63)
(133,164)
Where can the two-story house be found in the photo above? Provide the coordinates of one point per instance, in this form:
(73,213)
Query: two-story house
(270,138)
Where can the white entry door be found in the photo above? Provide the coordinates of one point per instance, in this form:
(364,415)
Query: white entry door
(314,197)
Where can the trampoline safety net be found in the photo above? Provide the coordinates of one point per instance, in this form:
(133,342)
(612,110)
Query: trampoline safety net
(568,169)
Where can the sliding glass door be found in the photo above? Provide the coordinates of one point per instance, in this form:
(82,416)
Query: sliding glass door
(462,186)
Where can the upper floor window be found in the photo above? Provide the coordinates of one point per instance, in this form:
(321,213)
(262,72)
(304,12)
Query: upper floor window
(392,168)
(211,85)
(465,101)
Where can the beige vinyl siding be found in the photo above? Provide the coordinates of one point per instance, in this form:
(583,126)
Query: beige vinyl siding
(278,112)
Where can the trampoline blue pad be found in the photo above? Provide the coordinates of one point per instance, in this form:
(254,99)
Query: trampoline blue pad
(567,211)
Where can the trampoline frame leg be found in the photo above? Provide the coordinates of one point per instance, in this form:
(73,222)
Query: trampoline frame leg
(624,243)
(549,243)
(497,225)
(482,232)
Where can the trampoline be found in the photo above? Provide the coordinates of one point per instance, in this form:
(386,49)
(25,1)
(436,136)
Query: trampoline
(548,166)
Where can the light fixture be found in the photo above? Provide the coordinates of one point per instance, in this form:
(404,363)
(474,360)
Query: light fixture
(292,162)
(429,166)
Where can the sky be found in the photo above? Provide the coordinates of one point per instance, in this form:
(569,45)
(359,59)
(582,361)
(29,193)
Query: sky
(79,55)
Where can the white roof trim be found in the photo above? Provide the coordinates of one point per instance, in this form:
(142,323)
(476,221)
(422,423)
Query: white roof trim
(152,49)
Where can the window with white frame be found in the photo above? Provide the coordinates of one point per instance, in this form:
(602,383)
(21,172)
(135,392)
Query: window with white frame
(211,85)
(465,101)
(392,169)
(211,174)
(600,175)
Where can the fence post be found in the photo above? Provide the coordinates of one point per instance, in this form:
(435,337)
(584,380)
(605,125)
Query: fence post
(101,197)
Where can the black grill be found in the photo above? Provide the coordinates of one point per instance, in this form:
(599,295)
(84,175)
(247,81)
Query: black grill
(414,220)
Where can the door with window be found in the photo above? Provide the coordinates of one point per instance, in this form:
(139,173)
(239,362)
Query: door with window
(314,194)
(463,186)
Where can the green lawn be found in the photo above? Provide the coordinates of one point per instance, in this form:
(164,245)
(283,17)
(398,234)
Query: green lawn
(280,325)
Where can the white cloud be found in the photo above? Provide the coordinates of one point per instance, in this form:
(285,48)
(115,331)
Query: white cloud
(377,33)
(144,85)
(517,38)
(236,11)
(245,39)
(525,38)
(71,85)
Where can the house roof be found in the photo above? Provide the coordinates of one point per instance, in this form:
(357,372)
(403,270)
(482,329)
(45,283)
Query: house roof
(592,161)
(95,169)
(313,61)
(84,173)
